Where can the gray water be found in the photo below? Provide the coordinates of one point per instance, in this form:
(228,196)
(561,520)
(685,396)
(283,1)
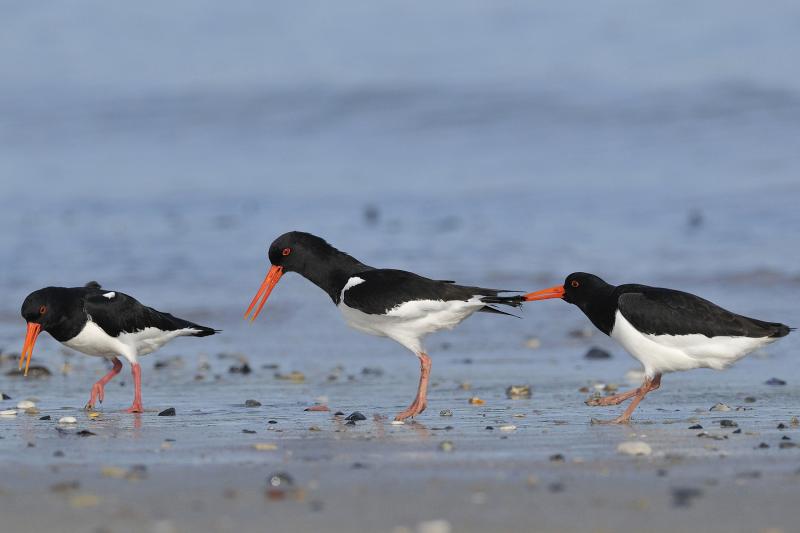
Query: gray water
(160,148)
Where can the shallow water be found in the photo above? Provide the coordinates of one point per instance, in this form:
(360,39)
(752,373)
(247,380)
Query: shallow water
(159,150)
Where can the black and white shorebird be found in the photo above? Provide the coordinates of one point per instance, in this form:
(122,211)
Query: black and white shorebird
(664,329)
(102,323)
(390,303)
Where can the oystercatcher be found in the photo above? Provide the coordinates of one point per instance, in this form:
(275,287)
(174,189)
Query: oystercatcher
(664,329)
(102,323)
(390,303)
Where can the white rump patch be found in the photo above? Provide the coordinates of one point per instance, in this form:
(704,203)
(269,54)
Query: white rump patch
(110,295)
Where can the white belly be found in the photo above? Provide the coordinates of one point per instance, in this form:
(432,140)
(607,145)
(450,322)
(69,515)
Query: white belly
(410,322)
(669,353)
(92,340)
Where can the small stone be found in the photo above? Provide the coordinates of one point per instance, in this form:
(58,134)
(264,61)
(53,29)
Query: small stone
(252,403)
(65,486)
(781,426)
(597,354)
(763,445)
(85,433)
(67,420)
(737,431)
(355,415)
(696,426)
(557,458)
(489,428)
(445,412)
(6,396)
(786,437)
(749,399)
(249,431)
(634,448)
(533,343)
(83,501)
(25,404)
(518,392)
(507,427)
(113,472)
(581,333)
(795,422)
(265,446)
(684,497)
(58,453)
(476,401)
(466,385)
(785,445)
(775,382)
(8,413)
(725,423)
(294,376)
(170,411)
(338,413)
(397,422)
(720,407)
(446,446)
(243,369)
(45,417)
(350,423)
(280,479)
(314,428)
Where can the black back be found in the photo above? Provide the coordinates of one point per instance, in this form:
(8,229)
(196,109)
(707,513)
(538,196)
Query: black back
(68,309)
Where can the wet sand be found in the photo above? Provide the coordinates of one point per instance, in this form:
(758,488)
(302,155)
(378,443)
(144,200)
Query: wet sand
(198,470)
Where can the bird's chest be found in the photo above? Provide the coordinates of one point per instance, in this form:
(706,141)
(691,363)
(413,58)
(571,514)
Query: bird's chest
(92,340)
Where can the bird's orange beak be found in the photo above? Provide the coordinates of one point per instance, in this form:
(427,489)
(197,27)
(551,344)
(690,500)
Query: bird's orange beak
(545,294)
(27,348)
(274,274)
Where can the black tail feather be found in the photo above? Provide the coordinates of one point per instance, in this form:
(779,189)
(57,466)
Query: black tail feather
(490,309)
(513,301)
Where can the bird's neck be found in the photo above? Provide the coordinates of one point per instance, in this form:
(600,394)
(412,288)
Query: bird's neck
(331,271)
(601,308)
(71,320)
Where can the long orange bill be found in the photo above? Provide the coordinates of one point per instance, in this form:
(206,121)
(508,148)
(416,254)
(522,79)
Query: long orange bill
(274,274)
(27,348)
(545,294)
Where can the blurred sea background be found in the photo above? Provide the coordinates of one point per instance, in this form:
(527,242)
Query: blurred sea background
(159,149)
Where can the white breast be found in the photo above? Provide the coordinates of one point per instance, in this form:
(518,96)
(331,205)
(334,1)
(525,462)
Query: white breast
(409,322)
(93,340)
(670,353)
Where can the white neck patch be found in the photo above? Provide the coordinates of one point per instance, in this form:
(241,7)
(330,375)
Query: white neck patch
(352,282)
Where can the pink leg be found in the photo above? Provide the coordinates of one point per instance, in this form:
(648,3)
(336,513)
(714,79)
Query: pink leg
(97,388)
(616,399)
(648,386)
(421,401)
(136,370)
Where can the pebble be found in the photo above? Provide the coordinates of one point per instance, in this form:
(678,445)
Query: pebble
(45,417)
(243,369)
(445,412)
(596,354)
(314,428)
(8,413)
(781,426)
(684,497)
(581,333)
(350,423)
(6,396)
(67,420)
(774,381)
(518,392)
(170,411)
(94,415)
(720,407)
(265,446)
(85,433)
(490,428)
(446,446)
(338,413)
(249,431)
(737,431)
(25,404)
(507,427)
(725,423)
(785,445)
(294,376)
(763,445)
(252,403)
(280,479)
(634,448)
(749,399)
(476,401)
(557,458)
(696,426)
(795,422)
(355,415)
(533,343)
(397,422)
(84,500)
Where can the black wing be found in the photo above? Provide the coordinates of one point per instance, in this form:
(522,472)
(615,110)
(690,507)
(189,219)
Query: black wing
(384,289)
(116,312)
(659,311)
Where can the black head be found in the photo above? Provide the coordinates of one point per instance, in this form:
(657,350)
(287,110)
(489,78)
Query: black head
(47,309)
(292,251)
(581,288)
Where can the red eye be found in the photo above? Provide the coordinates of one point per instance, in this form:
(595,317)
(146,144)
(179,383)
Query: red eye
(286,251)
(575,284)
(42,309)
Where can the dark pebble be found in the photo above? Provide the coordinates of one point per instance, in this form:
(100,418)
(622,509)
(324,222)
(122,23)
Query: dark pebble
(490,428)
(355,415)
(725,423)
(684,497)
(244,369)
(252,403)
(272,421)
(6,396)
(775,381)
(359,466)
(750,399)
(45,417)
(338,413)
(350,423)
(58,453)
(555,487)
(662,472)
(784,445)
(781,426)
(786,437)
(169,440)
(763,445)
(557,458)
(596,354)
(738,430)
(696,426)
(85,433)
(170,411)
(32,445)
(248,431)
